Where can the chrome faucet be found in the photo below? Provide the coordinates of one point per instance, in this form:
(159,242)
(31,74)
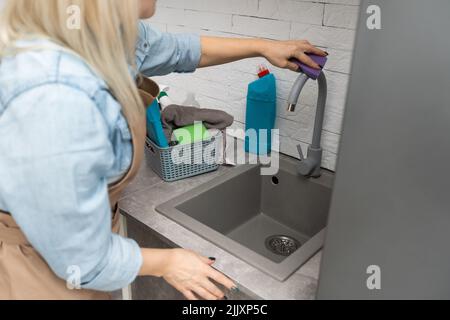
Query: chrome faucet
(311,165)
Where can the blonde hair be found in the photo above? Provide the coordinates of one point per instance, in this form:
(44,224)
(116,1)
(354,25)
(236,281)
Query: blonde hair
(106,38)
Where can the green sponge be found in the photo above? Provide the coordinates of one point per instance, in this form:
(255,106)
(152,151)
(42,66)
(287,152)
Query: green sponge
(191,134)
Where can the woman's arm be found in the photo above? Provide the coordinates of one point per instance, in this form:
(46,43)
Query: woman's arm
(161,53)
(216,50)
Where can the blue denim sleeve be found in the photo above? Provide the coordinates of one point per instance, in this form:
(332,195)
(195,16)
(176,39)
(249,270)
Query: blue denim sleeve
(59,157)
(159,53)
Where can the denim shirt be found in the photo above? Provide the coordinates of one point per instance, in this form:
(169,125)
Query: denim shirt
(63,139)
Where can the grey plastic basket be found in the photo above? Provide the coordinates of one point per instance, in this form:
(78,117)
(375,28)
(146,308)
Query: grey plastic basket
(162,163)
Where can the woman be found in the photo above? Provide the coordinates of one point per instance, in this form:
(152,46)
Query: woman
(72,132)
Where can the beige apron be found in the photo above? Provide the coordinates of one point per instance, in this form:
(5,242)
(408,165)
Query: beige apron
(24,275)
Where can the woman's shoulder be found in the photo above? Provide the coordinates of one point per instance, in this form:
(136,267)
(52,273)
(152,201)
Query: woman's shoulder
(44,64)
(37,78)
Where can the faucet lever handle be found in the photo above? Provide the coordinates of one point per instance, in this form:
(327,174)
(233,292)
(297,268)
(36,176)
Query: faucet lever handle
(300,152)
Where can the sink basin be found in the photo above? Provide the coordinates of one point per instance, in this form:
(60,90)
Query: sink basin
(275,223)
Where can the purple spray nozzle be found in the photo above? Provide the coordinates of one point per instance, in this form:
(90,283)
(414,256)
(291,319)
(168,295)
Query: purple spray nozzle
(311,72)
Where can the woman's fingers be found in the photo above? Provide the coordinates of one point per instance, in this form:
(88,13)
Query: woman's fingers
(191,274)
(203,293)
(209,261)
(317,51)
(213,273)
(306,60)
(189,295)
(208,285)
(292,66)
(221,279)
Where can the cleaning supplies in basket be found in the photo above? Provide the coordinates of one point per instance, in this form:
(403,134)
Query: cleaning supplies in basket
(261,113)
(175,116)
(180,142)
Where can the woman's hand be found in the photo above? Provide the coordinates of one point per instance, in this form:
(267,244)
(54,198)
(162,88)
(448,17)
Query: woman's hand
(279,53)
(186,271)
(191,274)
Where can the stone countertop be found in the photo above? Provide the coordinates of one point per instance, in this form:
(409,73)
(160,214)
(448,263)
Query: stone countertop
(148,191)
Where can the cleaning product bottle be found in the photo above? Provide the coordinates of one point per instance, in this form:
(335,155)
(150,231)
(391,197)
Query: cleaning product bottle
(261,113)
(164,100)
(154,126)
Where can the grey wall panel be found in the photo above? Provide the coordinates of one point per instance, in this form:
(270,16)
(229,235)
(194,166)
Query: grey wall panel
(391,205)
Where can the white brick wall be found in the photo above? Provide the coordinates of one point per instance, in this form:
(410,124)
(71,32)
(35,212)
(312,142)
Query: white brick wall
(329,24)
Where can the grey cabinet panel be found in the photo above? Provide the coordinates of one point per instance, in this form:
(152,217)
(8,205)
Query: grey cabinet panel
(391,202)
(150,288)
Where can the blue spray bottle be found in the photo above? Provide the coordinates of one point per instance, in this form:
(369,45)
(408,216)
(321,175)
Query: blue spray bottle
(154,125)
(261,113)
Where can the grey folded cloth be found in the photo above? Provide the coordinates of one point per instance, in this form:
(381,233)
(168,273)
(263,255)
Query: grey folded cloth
(175,116)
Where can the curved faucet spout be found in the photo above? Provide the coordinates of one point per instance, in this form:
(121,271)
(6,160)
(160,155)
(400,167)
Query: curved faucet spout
(296,90)
(320,112)
(311,165)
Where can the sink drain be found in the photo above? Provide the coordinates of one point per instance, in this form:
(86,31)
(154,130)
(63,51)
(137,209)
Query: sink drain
(282,245)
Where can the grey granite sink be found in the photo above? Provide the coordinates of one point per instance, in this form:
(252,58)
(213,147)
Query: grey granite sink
(275,223)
